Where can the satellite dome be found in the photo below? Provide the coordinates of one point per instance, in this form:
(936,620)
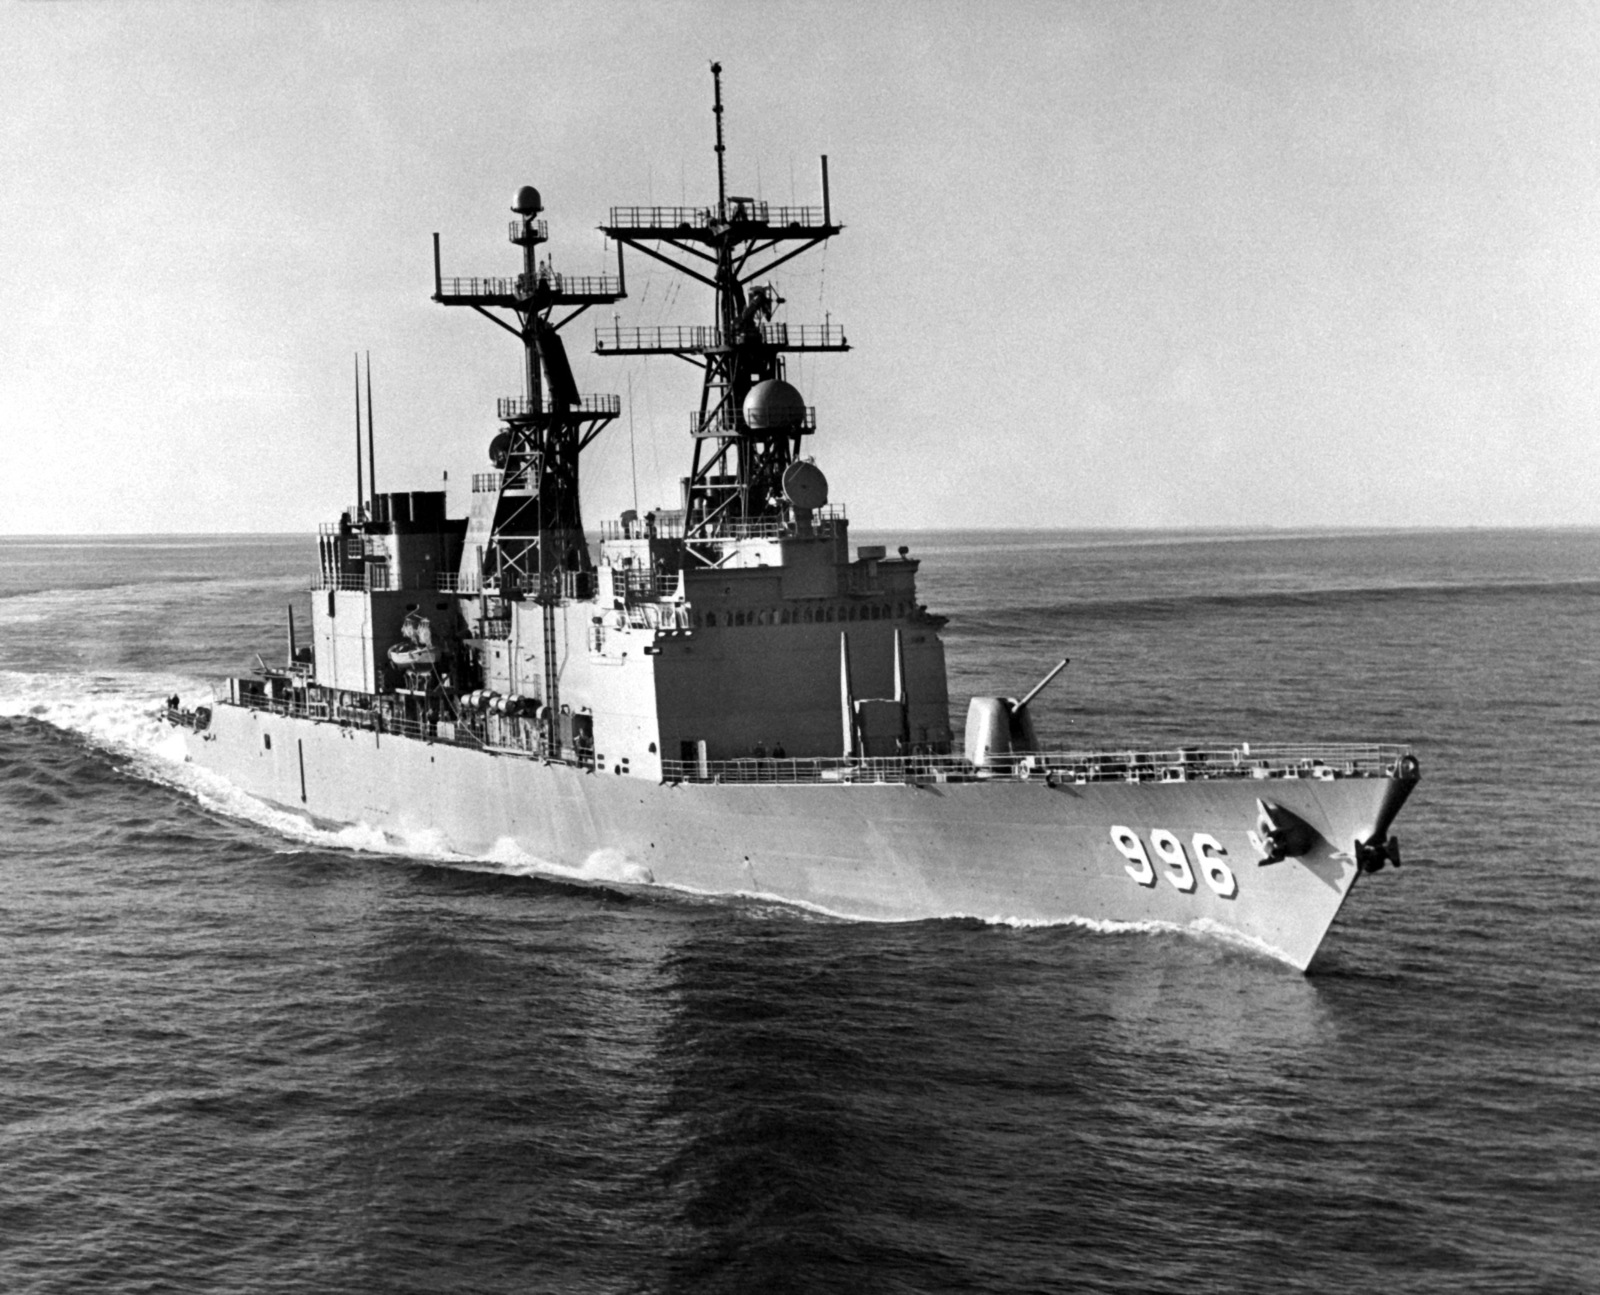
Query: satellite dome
(774,404)
(498,448)
(527,203)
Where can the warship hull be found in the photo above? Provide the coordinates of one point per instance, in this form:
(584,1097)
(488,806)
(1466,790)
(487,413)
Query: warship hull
(1013,849)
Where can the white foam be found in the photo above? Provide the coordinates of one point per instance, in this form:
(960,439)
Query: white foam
(117,712)
(1099,926)
(1216,930)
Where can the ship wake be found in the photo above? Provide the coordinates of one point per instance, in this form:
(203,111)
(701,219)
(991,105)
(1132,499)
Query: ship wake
(119,714)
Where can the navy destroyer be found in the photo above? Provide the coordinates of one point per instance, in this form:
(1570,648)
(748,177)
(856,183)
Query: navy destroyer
(720,697)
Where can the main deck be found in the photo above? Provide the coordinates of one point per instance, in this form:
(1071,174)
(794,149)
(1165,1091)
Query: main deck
(518,736)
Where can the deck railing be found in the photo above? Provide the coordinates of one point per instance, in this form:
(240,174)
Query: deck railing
(508,735)
(379,580)
(374,580)
(823,522)
(663,526)
(518,735)
(1187,764)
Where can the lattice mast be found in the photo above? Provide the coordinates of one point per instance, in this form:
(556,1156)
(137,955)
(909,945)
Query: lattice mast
(536,545)
(741,447)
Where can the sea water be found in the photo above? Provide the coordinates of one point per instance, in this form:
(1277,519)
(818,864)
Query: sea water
(239,1054)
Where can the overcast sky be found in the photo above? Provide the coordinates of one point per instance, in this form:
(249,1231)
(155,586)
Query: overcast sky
(1105,264)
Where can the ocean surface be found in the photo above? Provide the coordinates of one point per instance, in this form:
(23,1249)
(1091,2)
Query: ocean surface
(240,1055)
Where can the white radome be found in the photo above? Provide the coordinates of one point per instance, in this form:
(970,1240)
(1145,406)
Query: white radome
(774,404)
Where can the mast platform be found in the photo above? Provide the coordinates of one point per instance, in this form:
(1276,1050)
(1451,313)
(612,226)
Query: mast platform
(697,339)
(720,422)
(748,217)
(531,292)
(589,405)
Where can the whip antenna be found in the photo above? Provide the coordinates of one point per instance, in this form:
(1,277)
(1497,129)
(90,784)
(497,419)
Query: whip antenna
(361,492)
(722,184)
(372,454)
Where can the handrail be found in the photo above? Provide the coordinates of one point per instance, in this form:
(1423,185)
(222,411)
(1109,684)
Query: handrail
(708,337)
(1187,764)
(478,287)
(721,423)
(375,580)
(519,736)
(504,735)
(522,286)
(540,229)
(658,217)
(666,337)
(740,211)
(590,404)
(823,521)
(661,526)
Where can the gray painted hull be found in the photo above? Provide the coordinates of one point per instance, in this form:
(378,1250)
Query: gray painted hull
(1000,850)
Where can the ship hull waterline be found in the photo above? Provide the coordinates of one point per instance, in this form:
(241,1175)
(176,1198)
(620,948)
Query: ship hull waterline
(1002,850)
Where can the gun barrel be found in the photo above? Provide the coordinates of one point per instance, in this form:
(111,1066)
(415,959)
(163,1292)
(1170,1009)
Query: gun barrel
(1039,687)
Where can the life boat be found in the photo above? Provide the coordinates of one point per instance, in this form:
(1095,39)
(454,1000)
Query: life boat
(416,650)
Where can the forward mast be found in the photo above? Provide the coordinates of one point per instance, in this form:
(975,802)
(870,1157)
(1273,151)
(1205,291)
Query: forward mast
(535,547)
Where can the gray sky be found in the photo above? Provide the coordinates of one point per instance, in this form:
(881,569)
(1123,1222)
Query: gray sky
(1104,264)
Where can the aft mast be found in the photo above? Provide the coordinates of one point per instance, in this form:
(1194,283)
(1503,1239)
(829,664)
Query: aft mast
(743,444)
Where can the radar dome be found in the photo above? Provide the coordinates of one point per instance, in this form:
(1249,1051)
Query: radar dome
(527,203)
(774,404)
(498,448)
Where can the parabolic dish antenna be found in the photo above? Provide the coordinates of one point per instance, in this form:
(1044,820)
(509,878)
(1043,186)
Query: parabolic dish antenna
(804,486)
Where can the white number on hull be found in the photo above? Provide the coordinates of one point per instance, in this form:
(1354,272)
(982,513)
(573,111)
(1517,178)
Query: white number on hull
(1179,873)
(1213,865)
(1129,843)
(1209,853)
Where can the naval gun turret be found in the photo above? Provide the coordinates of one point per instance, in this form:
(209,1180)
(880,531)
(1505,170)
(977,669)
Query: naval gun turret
(999,727)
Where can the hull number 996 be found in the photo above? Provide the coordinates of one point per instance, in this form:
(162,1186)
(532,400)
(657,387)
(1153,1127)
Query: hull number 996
(1209,859)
